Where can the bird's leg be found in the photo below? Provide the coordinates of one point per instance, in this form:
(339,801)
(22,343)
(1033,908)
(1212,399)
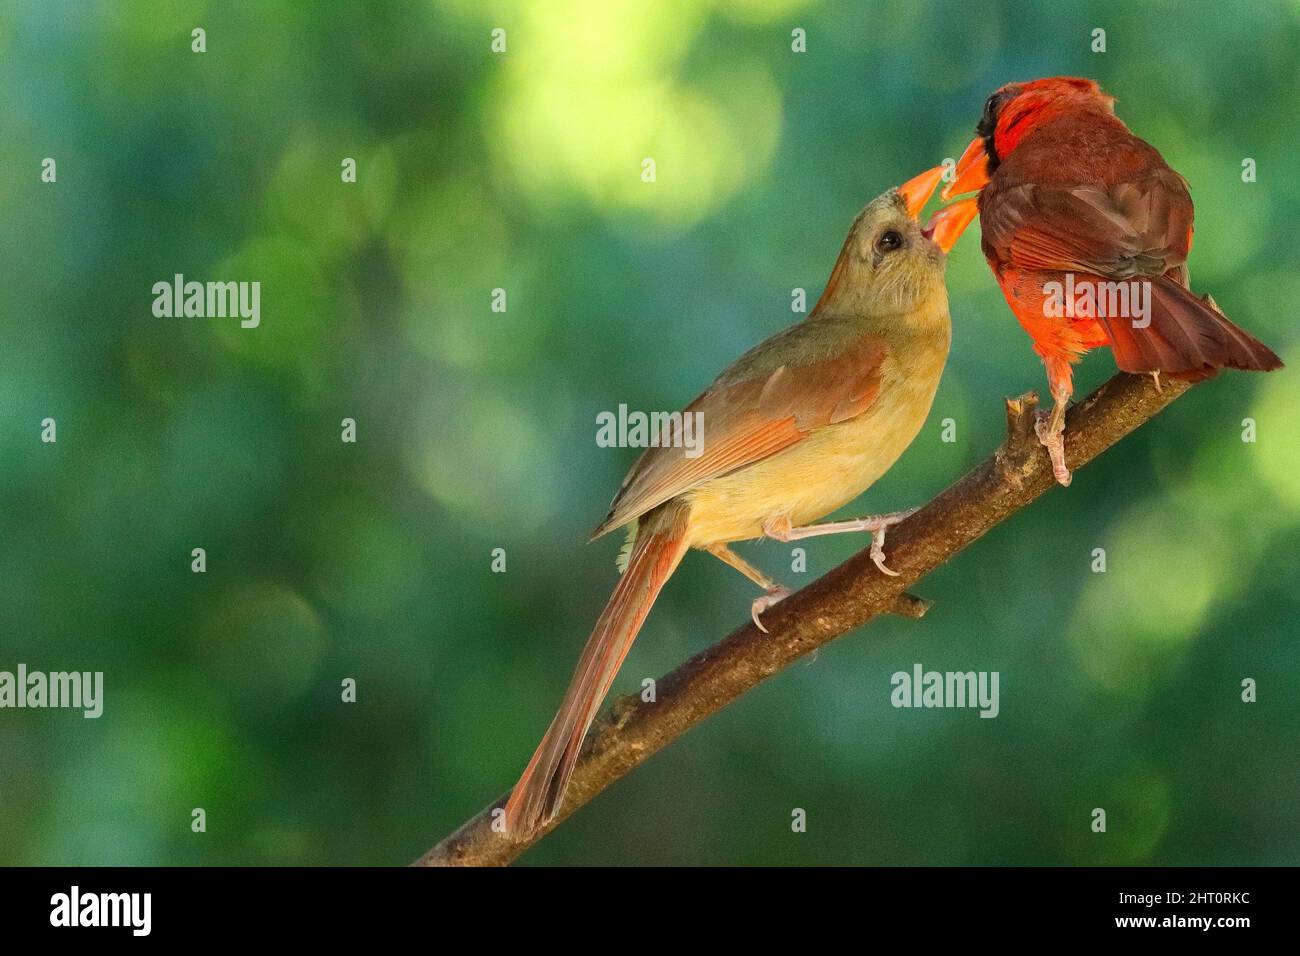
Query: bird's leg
(1050,426)
(774,592)
(779,528)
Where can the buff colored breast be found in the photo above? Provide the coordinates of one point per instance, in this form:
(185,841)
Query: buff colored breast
(836,463)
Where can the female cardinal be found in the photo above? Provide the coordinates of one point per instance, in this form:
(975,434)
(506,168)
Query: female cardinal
(796,427)
(1087,231)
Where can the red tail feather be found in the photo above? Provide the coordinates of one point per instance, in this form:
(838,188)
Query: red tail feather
(1187,338)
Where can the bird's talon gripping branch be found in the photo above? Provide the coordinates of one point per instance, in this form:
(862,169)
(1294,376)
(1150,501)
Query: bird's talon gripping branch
(1050,428)
(878,540)
(773,596)
(878,553)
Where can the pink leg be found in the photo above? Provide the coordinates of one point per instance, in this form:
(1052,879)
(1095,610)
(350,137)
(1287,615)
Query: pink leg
(774,592)
(1050,426)
(779,528)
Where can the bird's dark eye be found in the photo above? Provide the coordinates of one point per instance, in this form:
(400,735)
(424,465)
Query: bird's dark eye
(989,121)
(889,240)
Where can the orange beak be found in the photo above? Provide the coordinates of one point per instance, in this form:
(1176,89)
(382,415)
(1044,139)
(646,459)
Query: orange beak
(971,174)
(916,192)
(946,226)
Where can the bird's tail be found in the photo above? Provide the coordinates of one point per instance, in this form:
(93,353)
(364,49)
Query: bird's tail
(1186,337)
(659,547)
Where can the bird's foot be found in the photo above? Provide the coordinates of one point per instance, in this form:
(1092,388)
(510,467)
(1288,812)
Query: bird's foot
(774,595)
(878,539)
(1051,435)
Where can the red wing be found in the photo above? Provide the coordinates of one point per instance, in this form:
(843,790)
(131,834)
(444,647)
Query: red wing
(752,411)
(1138,228)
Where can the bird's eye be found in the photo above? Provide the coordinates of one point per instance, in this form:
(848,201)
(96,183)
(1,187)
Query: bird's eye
(989,119)
(889,240)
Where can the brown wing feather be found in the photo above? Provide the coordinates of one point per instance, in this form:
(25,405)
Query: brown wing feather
(755,410)
(1125,231)
(1082,193)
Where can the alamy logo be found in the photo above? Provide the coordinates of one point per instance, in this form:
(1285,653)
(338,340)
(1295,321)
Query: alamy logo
(208,300)
(75,908)
(654,430)
(922,688)
(78,690)
(1098,299)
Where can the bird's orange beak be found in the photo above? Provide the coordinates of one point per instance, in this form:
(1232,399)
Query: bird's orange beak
(946,226)
(971,174)
(916,192)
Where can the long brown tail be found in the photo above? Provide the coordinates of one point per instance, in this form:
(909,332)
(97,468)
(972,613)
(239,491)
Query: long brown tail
(660,544)
(1187,337)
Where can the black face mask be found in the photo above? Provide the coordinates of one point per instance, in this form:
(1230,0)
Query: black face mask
(988,124)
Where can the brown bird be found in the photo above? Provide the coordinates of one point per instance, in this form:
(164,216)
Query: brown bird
(797,427)
(1087,230)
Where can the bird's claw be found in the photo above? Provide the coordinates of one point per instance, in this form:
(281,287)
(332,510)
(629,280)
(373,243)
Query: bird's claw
(1053,439)
(878,553)
(878,541)
(761,604)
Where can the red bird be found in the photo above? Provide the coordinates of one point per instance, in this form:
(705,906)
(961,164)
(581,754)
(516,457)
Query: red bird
(1087,230)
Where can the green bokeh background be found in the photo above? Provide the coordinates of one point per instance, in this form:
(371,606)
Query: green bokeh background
(476,431)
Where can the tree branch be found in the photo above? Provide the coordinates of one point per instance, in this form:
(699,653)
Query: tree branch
(841,600)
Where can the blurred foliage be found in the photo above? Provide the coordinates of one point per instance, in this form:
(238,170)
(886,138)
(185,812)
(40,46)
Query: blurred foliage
(476,431)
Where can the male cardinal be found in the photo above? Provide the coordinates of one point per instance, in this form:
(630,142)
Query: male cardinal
(1087,231)
(798,426)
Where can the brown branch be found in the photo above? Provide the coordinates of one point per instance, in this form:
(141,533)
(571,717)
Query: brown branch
(839,601)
